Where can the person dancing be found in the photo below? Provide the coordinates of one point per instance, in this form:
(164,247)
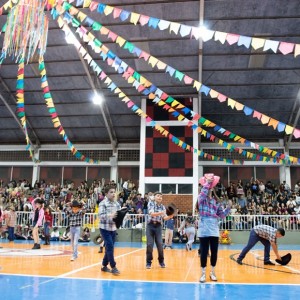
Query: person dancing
(209,212)
(38,207)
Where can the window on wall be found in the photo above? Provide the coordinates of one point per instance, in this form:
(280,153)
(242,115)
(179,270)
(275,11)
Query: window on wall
(295,176)
(185,189)
(220,171)
(51,174)
(168,188)
(5,173)
(20,173)
(97,173)
(266,174)
(75,175)
(151,188)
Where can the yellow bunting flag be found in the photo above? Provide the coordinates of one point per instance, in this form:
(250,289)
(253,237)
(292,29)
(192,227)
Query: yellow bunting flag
(297,50)
(174,103)
(134,18)
(231,102)
(117,91)
(288,129)
(174,27)
(87,3)
(153,61)
(213,93)
(257,43)
(60,22)
(264,119)
(120,41)
(121,95)
(131,79)
(161,65)
(81,16)
(197,85)
(108,10)
(108,81)
(104,30)
(161,103)
(181,117)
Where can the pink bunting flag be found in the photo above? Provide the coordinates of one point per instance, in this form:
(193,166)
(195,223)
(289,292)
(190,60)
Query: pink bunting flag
(144,20)
(187,80)
(286,48)
(164,96)
(145,55)
(222,98)
(116,12)
(296,133)
(112,36)
(232,38)
(93,5)
(257,115)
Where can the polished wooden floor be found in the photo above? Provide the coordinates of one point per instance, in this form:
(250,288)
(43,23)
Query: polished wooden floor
(181,266)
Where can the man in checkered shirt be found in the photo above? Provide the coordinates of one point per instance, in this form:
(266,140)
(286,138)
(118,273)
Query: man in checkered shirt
(267,235)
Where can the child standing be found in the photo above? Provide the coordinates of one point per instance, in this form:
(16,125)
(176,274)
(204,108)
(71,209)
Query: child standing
(169,233)
(38,217)
(11,223)
(75,221)
(47,225)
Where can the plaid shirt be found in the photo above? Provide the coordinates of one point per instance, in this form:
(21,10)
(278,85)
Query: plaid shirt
(106,208)
(266,232)
(208,207)
(154,207)
(75,220)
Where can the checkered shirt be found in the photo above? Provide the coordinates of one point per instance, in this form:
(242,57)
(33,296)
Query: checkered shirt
(266,232)
(106,208)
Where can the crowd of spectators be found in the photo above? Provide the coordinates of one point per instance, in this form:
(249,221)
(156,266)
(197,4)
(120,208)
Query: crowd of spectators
(253,197)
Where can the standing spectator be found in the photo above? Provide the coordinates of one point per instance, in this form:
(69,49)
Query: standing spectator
(47,225)
(75,221)
(38,205)
(209,212)
(11,218)
(169,233)
(107,212)
(156,215)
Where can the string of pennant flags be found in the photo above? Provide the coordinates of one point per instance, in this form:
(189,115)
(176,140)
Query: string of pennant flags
(165,101)
(21,107)
(159,94)
(192,31)
(89,38)
(55,118)
(131,105)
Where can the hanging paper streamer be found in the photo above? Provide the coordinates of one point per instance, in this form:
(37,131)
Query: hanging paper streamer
(26,30)
(54,116)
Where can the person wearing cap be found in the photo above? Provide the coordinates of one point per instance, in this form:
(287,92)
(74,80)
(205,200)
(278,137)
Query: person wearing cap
(210,210)
(267,235)
(75,214)
(38,207)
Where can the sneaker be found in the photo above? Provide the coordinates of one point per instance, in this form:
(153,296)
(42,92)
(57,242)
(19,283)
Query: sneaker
(203,278)
(100,250)
(186,247)
(72,258)
(115,271)
(105,269)
(269,263)
(162,265)
(213,276)
(148,266)
(239,261)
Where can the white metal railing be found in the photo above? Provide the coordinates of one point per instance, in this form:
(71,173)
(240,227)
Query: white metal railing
(231,222)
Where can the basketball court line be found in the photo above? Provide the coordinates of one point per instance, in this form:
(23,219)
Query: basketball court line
(190,267)
(80,269)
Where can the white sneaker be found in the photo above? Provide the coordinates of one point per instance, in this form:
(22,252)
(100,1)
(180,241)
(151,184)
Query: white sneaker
(72,258)
(203,278)
(213,276)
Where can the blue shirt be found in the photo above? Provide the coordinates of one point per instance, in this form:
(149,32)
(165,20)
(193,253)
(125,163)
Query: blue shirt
(170,224)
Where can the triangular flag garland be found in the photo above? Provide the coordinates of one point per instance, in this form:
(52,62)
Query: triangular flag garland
(54,116)
(214,94)
(21,107)
(141,113)
(194,32)
(276,155)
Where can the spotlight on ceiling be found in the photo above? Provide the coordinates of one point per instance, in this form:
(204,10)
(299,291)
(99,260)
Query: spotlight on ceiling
(98,99)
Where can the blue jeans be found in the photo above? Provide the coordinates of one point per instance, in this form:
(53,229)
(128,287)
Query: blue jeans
(253,239)
(75,233)
(109,238)
(11,233)
(46,229)
(154,234)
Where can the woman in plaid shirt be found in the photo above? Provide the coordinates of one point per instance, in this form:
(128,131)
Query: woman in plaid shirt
(209,212)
